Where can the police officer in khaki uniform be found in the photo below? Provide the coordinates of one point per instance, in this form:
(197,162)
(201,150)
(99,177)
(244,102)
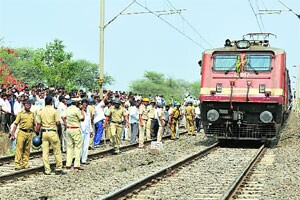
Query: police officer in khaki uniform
(161,122)
(151,118)
(174,119)
(190,117)
(49,123)
(143,118)
(72,117)
(26,122)
(114,115)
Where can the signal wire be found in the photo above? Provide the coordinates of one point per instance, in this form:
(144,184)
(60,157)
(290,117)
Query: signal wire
(171,25)
(189,24)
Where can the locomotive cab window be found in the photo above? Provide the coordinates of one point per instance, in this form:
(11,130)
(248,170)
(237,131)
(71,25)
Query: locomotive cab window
(225,62)
(258,63)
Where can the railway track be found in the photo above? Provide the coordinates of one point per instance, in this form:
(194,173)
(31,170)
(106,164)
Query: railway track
(4,160)
(8,174)
(214,173)
(252,185)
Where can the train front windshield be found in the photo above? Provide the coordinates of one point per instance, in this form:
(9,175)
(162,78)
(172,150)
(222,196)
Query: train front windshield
(252,62)
(258,63)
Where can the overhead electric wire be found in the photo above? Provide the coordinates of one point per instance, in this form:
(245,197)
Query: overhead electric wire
(262,22)
(171,25)
(264,5)
(113,19)
(255,16)
(289,9)
(190,25)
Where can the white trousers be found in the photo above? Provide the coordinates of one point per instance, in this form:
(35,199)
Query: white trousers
(85,146)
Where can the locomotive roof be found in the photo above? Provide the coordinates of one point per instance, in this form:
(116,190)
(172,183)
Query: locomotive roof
(251,48)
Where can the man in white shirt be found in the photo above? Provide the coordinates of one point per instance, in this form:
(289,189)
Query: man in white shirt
(61,108)
(87,131)
(41,100)
(198,118)
(6,112)
(18,105)
(133,120)
(99,118)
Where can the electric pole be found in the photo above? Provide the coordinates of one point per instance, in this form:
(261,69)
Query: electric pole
(101,61)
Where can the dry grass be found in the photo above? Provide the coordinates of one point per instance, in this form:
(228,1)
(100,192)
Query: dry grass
(5,145)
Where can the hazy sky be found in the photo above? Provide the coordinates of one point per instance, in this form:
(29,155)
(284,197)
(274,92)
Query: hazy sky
(135,43)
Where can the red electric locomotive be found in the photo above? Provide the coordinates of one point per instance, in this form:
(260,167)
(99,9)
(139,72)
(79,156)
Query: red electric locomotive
(245,90)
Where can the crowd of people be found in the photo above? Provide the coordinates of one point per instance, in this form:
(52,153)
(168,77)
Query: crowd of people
(76,121)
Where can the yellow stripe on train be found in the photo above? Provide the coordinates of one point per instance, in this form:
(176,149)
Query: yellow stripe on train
(241,91)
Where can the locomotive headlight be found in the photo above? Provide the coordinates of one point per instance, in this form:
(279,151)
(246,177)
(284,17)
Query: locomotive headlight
(243,44)
(266,116)
(212,115)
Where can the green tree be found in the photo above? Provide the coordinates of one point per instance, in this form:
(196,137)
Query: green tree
(194,89)
(27,66)
(51,66)
(59,68)
(89,78)
(155,83)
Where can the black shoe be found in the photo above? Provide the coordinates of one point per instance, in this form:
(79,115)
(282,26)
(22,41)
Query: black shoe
(85,163)
(78,168)
(117,152)
(60,172)
(18,168)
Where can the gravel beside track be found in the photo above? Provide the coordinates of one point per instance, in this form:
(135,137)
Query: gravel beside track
(277,175)
(282,180)
(103,175)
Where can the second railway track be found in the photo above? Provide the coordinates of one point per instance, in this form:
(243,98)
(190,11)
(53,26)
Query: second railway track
(7,172)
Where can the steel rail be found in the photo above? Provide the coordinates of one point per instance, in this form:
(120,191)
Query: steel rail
(33,154)
(138,184)
(237,182)
(110,151)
